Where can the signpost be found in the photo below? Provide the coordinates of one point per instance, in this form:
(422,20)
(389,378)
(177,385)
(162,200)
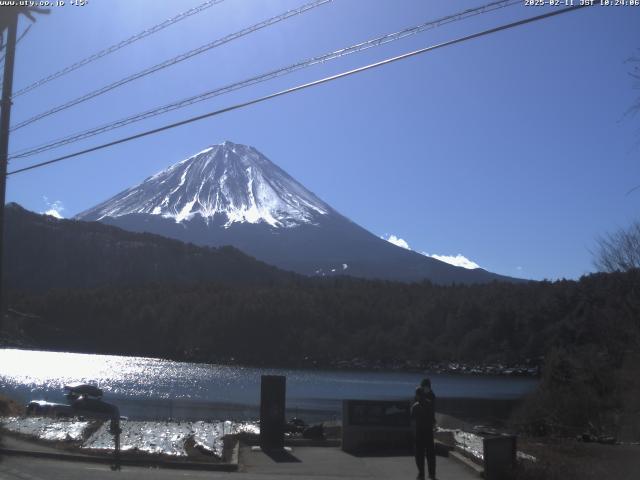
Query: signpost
(272,409)
(376,425)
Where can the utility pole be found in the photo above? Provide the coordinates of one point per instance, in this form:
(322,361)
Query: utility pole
(9,22)
(11,25)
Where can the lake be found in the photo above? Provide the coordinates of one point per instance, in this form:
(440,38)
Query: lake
(150,388)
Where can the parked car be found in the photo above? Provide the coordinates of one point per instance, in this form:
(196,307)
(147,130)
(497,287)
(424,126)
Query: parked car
(76,390)
(94,408)
(84,400)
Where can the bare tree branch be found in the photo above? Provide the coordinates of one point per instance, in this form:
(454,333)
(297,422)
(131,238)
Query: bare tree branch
(635,75)
(619,251)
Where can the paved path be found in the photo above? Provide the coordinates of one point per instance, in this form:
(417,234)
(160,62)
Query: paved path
(307,462)
(14,442)
(317,463)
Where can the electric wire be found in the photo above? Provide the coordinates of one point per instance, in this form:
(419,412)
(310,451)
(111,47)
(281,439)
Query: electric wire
(172,61)
(304,86)
(381,40)
(117,46)
(22,35)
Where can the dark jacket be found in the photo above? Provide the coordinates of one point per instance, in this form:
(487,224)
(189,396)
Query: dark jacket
(423,411)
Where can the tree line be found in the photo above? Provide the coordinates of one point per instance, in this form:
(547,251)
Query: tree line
(342,318)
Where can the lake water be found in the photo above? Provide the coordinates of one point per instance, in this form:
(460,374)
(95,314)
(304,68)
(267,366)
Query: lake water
(149,388)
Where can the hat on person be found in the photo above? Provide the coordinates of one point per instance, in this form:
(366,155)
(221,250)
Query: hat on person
(425,382)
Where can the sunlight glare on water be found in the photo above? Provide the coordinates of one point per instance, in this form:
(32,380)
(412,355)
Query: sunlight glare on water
(135,376)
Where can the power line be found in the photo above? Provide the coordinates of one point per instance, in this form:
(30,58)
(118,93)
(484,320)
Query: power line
(384,39)
(22,35)
(304,86)
(173,61)
(117,46)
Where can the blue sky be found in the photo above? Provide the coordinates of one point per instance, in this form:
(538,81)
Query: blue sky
(512,150)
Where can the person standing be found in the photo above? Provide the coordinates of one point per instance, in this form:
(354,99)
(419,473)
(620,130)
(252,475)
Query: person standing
(424,415)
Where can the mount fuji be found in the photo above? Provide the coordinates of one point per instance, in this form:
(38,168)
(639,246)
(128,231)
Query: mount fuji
(231,194)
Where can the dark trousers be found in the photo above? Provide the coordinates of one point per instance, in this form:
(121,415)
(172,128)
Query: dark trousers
(424,445)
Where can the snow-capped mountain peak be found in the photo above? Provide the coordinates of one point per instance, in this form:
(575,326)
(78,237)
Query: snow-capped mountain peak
(231,194)
(230,182)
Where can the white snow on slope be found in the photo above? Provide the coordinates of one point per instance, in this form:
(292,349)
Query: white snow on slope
(398,242)
(458,260)
(54,209)
(231,182)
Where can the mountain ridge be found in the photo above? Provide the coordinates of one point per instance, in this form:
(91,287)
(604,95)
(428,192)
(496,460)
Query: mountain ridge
(231,194)
(43,252)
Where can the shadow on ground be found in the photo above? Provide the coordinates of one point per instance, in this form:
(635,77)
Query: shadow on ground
(281,456)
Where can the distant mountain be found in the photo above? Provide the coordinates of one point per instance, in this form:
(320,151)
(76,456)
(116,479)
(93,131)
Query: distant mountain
(43,252)
(231,194)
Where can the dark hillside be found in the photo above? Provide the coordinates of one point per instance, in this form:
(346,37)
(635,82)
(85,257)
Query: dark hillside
(43,252)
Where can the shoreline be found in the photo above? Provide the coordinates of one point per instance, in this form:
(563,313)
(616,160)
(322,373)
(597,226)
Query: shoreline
(477,369)
(466,411)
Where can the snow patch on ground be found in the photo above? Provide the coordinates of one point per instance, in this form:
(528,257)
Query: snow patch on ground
(166,438)
(43,428)
(472,443)
(153,437)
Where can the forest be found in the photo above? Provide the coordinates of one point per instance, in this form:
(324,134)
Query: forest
(341,318)
(158,297)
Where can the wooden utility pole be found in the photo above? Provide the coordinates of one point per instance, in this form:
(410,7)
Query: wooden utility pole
(11,25)
(9,22)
